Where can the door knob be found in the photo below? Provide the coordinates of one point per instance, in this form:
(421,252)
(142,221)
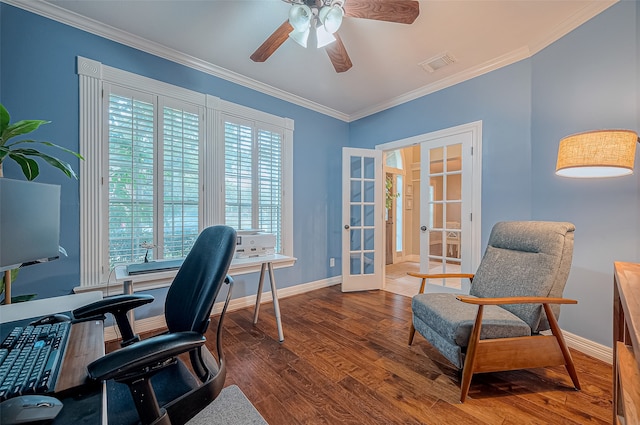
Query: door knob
(423,228)
(346,226)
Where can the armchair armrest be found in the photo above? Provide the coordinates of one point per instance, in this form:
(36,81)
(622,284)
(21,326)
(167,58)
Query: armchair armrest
(144,357)
(514,300)
(425,276)
(118,306)
(440,275)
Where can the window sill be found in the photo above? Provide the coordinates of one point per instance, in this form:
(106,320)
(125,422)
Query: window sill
(163,279)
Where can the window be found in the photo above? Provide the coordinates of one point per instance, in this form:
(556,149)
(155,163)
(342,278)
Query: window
(153,192)
(162,162)
(253,183)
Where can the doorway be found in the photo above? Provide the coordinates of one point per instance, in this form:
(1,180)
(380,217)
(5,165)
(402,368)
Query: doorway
(432,227)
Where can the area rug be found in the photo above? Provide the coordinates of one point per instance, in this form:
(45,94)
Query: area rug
(231,407)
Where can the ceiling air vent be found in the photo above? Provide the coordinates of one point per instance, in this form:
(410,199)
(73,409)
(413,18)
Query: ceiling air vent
(437,62)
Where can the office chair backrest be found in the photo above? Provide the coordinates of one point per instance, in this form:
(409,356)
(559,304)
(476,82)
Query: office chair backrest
(197,284)
(526,258)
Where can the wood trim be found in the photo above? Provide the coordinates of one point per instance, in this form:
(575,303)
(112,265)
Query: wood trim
(626,340)
(515,300)
(628,378)
(501,354)
(85,344)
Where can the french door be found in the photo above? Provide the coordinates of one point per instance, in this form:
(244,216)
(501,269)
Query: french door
(446,208)
(362,220)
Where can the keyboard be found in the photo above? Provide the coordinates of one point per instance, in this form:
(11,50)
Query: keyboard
(30,359)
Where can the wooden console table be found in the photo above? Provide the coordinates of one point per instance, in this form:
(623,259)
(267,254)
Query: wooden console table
(626,343)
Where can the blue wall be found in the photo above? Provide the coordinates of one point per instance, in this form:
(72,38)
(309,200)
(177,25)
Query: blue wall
(587,80)
(38,80)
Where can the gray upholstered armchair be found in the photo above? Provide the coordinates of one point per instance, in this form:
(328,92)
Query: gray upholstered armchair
(515,294)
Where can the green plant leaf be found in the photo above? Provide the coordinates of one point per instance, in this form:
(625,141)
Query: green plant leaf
(61,165)
(3,152)
(29,166)
(4,118)
(22,298)
(21,127)
(14,274)
(53,145)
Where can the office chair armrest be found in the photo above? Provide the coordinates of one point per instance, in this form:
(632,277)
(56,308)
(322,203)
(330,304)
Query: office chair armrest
(111,304)
(118,306)
(145,357)
(515,300)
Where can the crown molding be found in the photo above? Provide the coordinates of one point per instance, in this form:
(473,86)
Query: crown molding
(492,65)
(56,13)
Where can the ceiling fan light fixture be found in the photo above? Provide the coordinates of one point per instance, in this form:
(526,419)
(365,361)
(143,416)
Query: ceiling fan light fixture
(324,37)
(300,37)
(331,17)
(300,17)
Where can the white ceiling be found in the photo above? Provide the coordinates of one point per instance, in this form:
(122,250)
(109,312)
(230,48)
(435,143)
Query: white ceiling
(219,36)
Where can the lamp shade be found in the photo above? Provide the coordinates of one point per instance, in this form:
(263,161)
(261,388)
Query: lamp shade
(600,153)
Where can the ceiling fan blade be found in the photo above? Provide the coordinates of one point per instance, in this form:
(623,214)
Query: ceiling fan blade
(272,43)
(338,55)
(401,11)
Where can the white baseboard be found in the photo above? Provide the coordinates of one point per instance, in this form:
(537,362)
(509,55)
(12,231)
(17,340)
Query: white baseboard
(155,323)
(588,347)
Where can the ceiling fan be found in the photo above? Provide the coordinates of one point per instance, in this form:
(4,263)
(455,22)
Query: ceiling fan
(322,18)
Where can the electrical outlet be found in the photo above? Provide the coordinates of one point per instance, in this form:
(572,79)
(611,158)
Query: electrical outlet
(332,262)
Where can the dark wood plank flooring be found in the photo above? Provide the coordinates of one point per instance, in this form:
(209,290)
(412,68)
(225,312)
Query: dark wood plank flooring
(345,360)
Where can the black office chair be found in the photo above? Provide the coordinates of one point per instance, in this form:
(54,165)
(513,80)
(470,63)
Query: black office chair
(160,386)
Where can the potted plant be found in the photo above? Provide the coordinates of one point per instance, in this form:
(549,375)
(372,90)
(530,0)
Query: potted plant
(24,152)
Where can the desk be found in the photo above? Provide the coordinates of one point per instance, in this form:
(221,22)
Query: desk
(237,265)
(81,402)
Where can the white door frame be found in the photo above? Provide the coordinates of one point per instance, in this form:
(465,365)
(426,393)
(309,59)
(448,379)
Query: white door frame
(475,128)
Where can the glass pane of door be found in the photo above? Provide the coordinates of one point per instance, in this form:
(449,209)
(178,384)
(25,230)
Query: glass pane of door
(444,174)
(362,198)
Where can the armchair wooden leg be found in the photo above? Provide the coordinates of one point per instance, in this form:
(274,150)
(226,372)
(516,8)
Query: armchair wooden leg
(568,360)
(412,332)
(412,329)
(470,357)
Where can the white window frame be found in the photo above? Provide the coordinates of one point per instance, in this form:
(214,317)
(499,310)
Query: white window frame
(94,272)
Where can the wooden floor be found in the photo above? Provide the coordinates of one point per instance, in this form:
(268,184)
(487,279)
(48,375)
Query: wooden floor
(345,360)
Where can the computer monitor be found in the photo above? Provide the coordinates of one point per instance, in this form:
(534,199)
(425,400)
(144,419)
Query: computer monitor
(29,222)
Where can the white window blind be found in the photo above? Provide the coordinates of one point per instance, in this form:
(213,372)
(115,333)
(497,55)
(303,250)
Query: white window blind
(154,184)
(253,177)
(181,198)
(131,188)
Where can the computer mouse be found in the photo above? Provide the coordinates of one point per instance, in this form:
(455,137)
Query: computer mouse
(47,320)
(29,408)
